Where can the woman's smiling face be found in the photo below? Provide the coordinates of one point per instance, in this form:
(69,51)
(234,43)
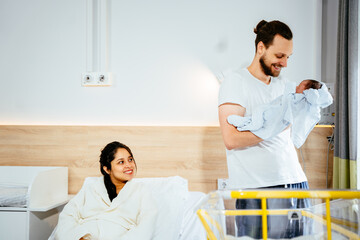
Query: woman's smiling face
(123,167)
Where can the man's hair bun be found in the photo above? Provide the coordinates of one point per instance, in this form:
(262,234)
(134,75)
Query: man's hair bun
(266,31)
(259,26)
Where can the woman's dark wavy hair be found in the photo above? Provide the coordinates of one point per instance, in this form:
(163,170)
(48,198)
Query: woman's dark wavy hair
(107,155)
(266,31)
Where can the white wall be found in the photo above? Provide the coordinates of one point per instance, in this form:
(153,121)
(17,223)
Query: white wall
(161,52)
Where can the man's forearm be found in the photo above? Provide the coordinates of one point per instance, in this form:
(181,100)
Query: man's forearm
(234,139)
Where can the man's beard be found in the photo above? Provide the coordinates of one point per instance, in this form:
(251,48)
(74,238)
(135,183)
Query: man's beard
(266,69)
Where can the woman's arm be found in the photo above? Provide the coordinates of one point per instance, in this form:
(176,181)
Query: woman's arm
(69,226)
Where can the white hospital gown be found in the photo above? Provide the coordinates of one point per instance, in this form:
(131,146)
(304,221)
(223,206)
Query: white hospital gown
(131,215)
(301,110)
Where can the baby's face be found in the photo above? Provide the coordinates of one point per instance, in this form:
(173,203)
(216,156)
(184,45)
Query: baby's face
(301,87)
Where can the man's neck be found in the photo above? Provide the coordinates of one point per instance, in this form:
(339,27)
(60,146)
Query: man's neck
(255,70)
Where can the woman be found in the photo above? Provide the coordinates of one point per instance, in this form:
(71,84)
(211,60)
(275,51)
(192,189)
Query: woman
(111,206)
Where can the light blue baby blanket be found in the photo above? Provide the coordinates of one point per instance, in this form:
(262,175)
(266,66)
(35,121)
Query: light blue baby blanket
(301,110)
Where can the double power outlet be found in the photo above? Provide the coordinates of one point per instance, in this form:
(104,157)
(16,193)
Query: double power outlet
(96,79)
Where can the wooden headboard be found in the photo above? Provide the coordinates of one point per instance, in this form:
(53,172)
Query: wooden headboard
(195,153)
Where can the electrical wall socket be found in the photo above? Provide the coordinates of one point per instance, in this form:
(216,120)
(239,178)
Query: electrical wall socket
(222,183)
(328,114)
(96,79)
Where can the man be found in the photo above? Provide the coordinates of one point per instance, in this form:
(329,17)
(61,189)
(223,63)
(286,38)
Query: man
(253,162)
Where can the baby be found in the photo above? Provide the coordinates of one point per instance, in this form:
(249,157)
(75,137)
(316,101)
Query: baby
(307,84)
(299,106)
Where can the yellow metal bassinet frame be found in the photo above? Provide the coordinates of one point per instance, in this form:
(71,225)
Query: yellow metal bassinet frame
(264,212)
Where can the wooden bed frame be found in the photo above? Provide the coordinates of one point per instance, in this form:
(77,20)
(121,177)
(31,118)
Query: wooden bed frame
(194,153)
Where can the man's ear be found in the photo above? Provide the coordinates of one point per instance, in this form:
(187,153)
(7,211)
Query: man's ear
(106,170)
(260,49)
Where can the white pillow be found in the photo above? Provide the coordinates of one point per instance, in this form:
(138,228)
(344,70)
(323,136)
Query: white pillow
(170,194)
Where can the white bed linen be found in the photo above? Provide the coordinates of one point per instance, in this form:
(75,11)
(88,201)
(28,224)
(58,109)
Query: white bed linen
(191,227)
(13,195)
(170,194)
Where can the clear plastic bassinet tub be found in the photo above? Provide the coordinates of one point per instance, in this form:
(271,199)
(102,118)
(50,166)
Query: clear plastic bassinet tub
(329,215)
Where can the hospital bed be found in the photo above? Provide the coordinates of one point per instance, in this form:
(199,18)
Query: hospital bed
(333,214)
(30,200)
(177,219)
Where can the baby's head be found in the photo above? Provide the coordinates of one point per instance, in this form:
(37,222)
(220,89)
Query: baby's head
(307,84)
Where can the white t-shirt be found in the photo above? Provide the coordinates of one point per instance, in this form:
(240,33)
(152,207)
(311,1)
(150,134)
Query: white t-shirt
(268,163)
